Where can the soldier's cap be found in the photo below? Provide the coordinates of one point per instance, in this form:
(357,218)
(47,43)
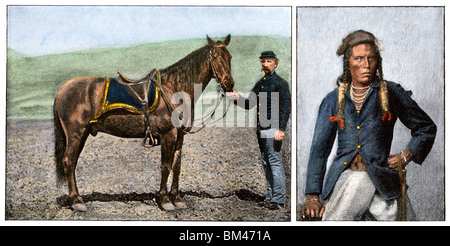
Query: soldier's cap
(355,38)
(268,54)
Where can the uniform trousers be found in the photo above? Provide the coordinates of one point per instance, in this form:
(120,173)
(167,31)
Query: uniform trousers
(273,166)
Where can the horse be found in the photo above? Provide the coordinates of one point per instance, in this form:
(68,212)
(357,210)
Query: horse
(77,102)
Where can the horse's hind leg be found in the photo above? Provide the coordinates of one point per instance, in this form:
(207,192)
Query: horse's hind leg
(168,142)
(75,144)
(75,105)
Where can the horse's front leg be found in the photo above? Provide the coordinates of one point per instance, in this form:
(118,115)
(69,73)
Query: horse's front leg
(174,192)
(168,142)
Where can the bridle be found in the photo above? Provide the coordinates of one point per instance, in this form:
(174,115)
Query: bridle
(215,69)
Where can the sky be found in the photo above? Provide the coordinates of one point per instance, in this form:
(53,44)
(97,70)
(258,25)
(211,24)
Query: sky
(41,30)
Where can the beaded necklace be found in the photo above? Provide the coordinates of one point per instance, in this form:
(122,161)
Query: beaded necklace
(342,90)
(358,98)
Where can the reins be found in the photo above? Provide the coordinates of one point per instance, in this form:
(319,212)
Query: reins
(205,120)
(211,114)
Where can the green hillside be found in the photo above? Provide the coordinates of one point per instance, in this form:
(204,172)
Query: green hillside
(32,82)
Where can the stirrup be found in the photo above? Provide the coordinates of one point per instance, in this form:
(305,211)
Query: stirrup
(152,141)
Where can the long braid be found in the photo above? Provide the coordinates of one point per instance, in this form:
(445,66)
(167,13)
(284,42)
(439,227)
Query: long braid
(380,66)
(384,98)
(343,88)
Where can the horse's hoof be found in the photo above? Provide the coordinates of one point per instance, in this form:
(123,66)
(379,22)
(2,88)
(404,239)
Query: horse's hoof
(79,207)
(181,205)
(168,206)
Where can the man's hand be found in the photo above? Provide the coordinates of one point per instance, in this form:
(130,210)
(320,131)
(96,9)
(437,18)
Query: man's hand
(279,135)
(313,208)
(404,157)
(232,95)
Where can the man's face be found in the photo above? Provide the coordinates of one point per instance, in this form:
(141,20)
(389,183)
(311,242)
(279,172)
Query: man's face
(268,65)
(363,64)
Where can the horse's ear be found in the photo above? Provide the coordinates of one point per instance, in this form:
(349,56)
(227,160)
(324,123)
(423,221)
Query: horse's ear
(210,42)
(227,40)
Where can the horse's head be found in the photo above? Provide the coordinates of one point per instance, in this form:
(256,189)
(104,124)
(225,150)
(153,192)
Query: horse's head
(220,62)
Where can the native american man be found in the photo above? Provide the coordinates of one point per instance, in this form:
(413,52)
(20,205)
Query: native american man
(363,181)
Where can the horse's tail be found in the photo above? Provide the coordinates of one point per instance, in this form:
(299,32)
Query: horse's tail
(60,147)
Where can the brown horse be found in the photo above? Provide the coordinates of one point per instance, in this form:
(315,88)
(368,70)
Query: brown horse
(78,100)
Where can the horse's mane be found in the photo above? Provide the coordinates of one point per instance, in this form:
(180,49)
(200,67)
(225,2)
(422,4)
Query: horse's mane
(186,71)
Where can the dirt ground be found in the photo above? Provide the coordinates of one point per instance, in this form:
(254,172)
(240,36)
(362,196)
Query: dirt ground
(221,177)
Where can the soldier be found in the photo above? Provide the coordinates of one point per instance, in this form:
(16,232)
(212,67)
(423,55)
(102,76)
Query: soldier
(272,99)
(363,180)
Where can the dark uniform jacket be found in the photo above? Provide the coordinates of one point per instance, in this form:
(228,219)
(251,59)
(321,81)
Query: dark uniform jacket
(366,133)
(262,96)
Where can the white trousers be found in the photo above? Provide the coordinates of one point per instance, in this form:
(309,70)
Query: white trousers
(355,198)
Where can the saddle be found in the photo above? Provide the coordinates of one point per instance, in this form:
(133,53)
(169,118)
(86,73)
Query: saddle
(139,89)
(136,96)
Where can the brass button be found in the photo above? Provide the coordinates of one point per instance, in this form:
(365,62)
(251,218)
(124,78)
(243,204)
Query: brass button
(345,163)
(359,146)
(358,127)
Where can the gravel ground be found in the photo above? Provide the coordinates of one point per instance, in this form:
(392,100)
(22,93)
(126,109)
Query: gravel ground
(221,177)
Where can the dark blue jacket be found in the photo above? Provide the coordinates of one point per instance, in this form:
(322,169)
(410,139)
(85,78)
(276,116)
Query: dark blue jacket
(367,134)
(262,96)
